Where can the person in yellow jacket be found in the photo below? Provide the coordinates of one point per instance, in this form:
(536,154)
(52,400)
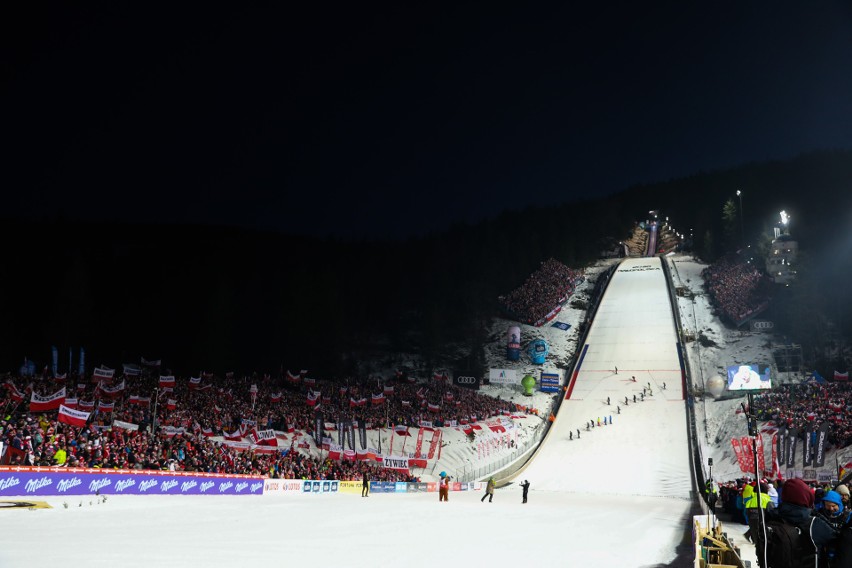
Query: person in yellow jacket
(752,504)
(60,456)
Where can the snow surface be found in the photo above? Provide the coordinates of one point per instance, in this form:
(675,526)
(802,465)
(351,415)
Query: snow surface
(618,496)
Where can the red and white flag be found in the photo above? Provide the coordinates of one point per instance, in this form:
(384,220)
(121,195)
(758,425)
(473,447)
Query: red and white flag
(194,382)
(49,402)
(838,376)
(111,392)
(401,430)
(378,398)
(234,436)
(264,437)
(60,377)
(433,407)
(388,390)
(171,404)
(14,393)
(312,398)
(167,381)
(207,432)
(86,405)
(102,374)
(105,406)
(275,397)
(293,378)
(154,363)
(71,403)
(72,417)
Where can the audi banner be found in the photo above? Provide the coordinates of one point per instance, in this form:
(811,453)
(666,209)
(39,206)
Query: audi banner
(466,380)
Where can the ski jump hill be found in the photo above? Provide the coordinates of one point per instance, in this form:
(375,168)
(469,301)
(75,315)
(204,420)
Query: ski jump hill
(639,464)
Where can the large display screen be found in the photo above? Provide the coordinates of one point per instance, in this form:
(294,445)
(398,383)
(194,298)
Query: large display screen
(749,377)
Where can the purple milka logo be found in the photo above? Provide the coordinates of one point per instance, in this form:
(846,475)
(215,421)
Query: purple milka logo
(124,484)
(99,484)
(67,484)
(225,486)
(9,482)
(34,485)
(207,485)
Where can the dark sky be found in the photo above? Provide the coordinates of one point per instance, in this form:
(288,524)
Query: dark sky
(366,121)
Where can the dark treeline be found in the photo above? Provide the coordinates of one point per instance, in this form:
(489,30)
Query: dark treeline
(220,299)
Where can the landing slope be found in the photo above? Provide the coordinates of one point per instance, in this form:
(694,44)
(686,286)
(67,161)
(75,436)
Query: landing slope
(644,452)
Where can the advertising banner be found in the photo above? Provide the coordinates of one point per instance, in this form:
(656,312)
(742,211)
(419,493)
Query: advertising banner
(33,482)
(502,377)
(466,380)
(549,382)
(822,438)
(513,343)
(808,447)
(792,438)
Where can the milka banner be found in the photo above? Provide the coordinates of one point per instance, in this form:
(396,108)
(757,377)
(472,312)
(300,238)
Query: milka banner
(33,483)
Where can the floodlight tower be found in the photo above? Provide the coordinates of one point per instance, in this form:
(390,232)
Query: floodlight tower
(742,223)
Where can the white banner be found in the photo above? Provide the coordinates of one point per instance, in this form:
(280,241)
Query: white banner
(125,425)
(503,377)
(395,462)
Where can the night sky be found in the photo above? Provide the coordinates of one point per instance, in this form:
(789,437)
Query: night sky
(361,121)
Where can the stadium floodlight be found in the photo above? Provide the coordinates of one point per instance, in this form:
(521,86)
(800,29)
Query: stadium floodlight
(784,218)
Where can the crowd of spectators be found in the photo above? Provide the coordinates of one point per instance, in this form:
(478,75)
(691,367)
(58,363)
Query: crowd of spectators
(738,289)
(543,291)
(180,429)
(806,406)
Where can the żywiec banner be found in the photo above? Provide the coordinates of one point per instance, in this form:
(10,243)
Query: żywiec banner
(20,481)
(390,462)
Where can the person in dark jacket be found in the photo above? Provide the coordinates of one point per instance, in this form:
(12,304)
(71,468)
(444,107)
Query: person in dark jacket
(526,487)
(797,501)
(836,552)
(365,486)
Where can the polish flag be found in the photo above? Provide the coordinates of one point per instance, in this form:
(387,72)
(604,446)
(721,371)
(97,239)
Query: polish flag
(49,402)
(167,381)
(72,417)
(207,432)
(401,430)
(171,404)
(235,436)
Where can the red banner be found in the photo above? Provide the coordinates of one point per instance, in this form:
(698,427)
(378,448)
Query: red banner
(436,443)
(738,451)
(761,463)
(419,445)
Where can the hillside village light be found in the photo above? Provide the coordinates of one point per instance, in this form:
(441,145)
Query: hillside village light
(742,224)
